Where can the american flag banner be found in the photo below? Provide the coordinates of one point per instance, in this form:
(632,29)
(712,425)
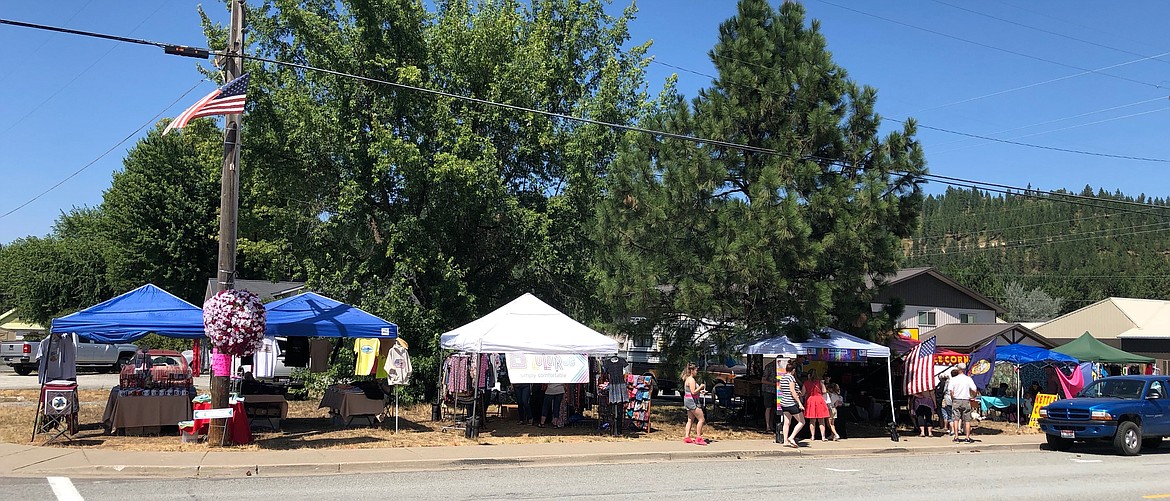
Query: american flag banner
(226,100)
(920,367)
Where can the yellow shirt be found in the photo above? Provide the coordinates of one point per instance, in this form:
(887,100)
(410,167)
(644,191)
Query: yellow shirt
(365,352)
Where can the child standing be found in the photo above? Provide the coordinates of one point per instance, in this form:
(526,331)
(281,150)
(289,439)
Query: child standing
(834,401)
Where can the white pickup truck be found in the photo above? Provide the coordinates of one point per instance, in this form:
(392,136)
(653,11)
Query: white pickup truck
(23,356)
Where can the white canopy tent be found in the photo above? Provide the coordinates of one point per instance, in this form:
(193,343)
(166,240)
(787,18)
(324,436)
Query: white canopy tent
(783,347)
(528,325)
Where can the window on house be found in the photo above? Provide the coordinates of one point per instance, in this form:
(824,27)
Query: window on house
(643,341)
(926,318)
(967,318)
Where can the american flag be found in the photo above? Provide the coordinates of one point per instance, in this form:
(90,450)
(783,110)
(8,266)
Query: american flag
(920,367)
(226,100)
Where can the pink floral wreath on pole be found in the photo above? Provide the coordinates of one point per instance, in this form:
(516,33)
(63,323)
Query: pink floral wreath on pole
(234,321)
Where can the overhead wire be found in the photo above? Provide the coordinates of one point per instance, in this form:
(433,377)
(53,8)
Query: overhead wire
(107,152)
(989,46)
(1055,120)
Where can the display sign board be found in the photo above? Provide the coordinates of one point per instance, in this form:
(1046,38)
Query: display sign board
(909,333)
(836,355)
(1042,401)
(214,413)
(951,359)
(532,368)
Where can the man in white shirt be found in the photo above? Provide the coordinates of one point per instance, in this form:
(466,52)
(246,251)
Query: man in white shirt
(961,389)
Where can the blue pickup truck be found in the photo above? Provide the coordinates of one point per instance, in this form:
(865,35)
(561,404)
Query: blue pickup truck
(1133,412)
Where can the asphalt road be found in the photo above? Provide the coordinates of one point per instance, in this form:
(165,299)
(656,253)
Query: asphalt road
(987,475)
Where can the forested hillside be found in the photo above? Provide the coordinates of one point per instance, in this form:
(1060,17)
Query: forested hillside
(1076,248)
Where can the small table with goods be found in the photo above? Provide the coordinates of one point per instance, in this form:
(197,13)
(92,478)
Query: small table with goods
(141,411)
(270,409)
(347,402)
(238,432)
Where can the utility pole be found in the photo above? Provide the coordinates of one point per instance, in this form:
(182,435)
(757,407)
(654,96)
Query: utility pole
(228,203)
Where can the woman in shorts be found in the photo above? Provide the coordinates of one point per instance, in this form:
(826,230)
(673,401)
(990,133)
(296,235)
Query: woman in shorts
(791,404)
(691,394)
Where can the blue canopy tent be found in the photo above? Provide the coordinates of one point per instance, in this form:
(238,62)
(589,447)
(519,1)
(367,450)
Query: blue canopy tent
(312,314)
(1020,354)
(129,317)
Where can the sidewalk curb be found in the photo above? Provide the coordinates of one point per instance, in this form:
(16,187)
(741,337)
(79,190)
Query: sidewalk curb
(410,465)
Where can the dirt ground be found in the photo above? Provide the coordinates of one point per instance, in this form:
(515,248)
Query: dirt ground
(310,427)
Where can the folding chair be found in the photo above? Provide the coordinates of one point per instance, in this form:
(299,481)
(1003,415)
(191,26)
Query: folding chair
(56,410)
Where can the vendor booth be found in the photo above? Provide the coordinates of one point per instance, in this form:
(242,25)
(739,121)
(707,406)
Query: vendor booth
(313,315)
(525,330)
(828,345)
(1021,355)
(141,403)
(1088,349)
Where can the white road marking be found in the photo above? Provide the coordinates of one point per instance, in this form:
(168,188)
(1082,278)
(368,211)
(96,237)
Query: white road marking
(64,490)
(1086,460)
(834,469)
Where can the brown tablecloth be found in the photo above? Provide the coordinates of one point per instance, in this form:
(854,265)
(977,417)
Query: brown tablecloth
(132,412)
(347,404)
(252,401)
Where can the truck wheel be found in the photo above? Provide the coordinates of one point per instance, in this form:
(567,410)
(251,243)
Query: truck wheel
(1128,440)
(1059,444)
(22,370)
(123,360)
(1152,443)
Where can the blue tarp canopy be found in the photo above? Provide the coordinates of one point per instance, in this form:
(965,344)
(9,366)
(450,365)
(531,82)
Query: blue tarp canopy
(134,314)
(314,315)
(1020,354)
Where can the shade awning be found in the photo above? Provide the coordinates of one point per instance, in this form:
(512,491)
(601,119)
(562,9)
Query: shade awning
(836,340)
(528,325)
(1021,354)
(313,315)
(132,315)
(1089,349)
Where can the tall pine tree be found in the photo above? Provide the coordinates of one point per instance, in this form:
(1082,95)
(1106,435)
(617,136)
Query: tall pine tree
(775,238)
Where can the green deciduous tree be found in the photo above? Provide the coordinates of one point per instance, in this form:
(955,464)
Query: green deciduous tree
(1025,305)
(760,242)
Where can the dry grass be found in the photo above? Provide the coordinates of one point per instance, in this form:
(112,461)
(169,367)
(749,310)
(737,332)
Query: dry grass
(310,427)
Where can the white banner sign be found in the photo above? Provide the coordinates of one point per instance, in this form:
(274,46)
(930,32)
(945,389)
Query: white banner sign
(530,368)
(214,413)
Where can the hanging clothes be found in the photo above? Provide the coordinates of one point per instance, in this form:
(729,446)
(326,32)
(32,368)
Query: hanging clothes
(296,352)
(319,355)
(264,360)
(1071,385)
(365,354)
(380,363)
(397,366)
(58,359)
(615,369)
(457,367)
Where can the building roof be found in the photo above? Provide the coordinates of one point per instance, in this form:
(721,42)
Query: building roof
(268,291)
(970,336)
(1112,318)
(906,274)
(10,322)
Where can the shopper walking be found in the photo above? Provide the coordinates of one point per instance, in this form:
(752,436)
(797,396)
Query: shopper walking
(962,389)
(691,394)
(834,401)
(553,393)
(922,405)
(791,404)
(815,409)
(944,399)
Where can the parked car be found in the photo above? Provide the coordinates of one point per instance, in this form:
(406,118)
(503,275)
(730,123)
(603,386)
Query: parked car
(722,374)
(1133,412)
(165,365)
(23,356)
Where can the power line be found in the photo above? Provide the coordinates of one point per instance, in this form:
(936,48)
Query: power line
(107,152)
(989,46)
(1042,30)
(45,42)
(1055,120)
(1043,241)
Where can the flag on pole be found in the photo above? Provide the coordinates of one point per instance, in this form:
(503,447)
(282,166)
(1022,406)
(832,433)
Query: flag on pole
(226,100)
(981,365)
(920,367)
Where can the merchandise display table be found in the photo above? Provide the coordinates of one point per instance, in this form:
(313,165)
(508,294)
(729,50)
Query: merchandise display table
(270,409)
(238,431)
(347,404)
(144,414)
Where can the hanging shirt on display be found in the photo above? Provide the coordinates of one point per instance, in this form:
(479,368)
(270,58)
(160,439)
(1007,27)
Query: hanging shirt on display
(383,353)
(296,352)
(319,355)
(264,360)
(365,353)
(58,358)
(397,366)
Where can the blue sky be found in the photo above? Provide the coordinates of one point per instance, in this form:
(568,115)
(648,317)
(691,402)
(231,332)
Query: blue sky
(1020,75)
